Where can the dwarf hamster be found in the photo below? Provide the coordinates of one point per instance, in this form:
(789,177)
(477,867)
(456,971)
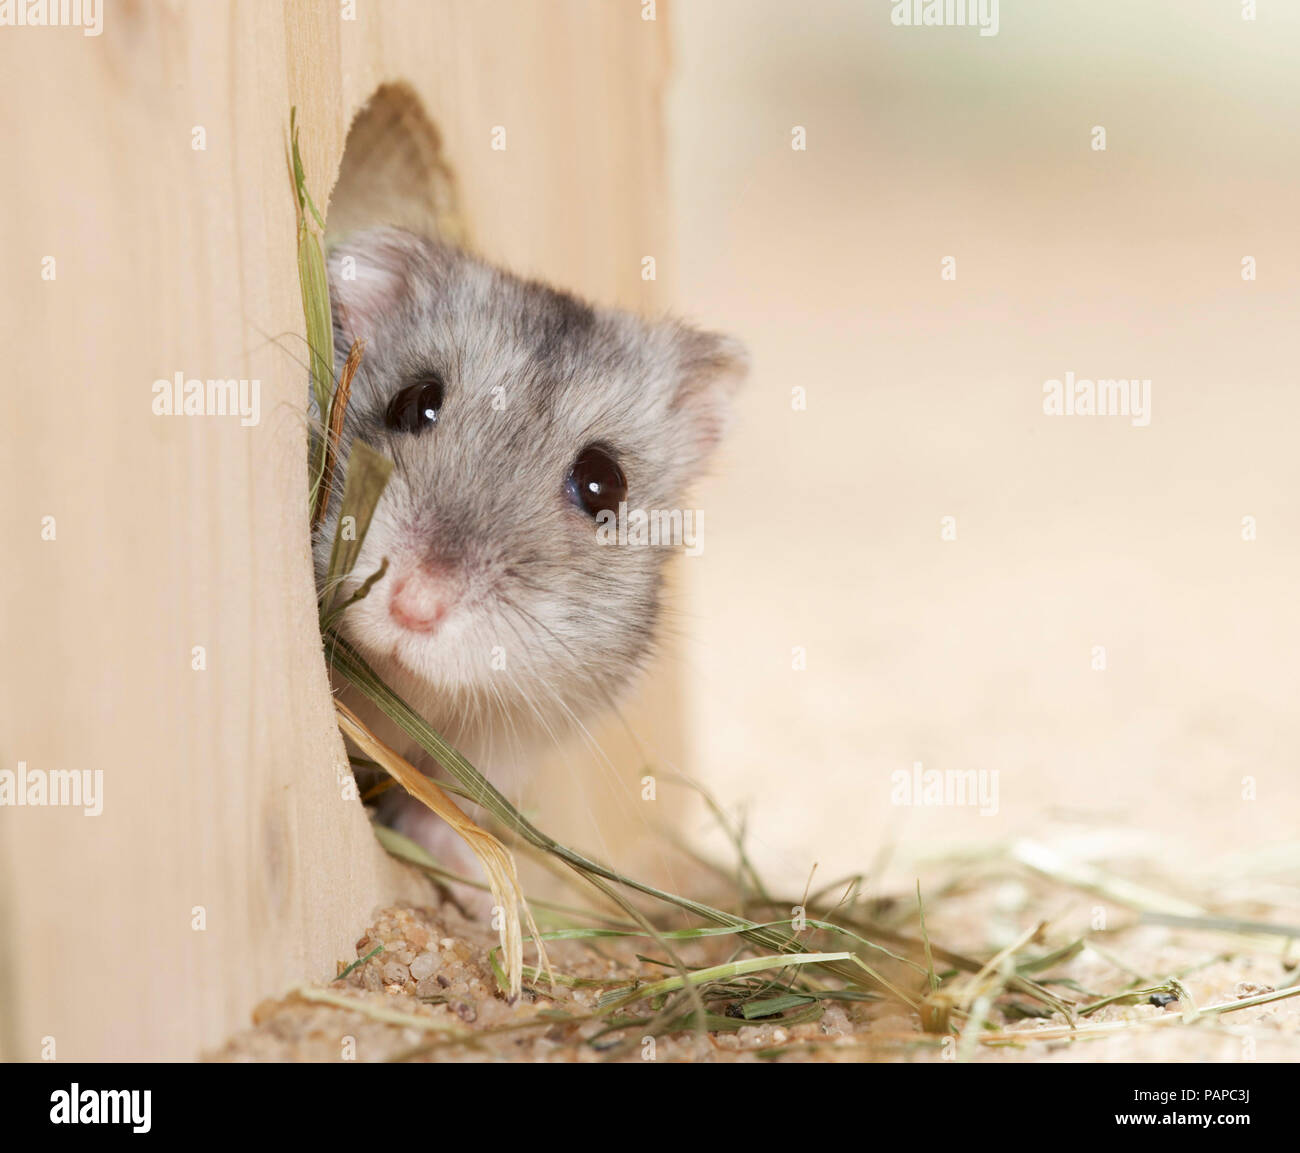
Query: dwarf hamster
(514,415)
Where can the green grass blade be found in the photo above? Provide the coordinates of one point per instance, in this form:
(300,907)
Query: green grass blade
(619,998)
(367,475)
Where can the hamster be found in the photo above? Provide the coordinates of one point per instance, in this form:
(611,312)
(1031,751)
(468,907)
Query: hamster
(514,415)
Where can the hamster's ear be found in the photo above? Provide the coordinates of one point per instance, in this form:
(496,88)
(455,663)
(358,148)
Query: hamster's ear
(712,367)
(369,274)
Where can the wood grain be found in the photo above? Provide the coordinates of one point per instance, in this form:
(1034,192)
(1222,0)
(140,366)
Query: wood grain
(222,787)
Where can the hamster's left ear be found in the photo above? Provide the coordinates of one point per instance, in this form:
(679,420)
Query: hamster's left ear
(711,369)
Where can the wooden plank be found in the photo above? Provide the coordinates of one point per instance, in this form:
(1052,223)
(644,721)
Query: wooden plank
(221,788)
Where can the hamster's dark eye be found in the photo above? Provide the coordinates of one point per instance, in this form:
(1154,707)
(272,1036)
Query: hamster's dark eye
(596,483)
(416,407)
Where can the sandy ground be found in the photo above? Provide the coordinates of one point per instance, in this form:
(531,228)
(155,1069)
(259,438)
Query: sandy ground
(430,994)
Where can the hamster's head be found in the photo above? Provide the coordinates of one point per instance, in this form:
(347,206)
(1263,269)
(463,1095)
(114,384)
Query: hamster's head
(518,420)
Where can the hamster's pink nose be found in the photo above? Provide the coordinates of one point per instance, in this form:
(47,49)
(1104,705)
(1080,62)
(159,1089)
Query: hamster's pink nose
(420,600)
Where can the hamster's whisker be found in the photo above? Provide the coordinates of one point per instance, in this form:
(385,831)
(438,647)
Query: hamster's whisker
(601,695)
(276,340)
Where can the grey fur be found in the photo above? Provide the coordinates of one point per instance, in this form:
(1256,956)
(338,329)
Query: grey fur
(481,493)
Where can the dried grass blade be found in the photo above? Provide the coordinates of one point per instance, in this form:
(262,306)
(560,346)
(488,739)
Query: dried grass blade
(338,410)
(495,858)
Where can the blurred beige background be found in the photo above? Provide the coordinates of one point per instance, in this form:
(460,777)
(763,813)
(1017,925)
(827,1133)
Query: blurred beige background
(924,400)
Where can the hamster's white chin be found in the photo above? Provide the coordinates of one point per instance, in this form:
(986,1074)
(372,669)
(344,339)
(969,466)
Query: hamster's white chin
(443,662)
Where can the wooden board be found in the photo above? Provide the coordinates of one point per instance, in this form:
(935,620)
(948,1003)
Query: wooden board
(221,787)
